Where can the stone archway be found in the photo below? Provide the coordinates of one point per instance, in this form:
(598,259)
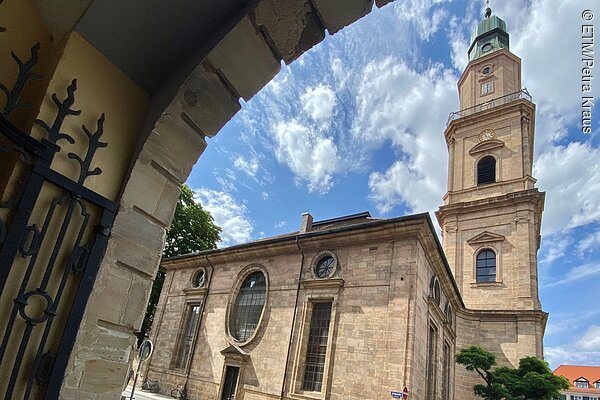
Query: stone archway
(243,62)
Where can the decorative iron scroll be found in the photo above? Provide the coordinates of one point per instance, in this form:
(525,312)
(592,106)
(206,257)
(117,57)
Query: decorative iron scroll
(52,240)
(25,75)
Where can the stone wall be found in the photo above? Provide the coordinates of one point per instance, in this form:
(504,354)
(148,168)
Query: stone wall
(510,336)
(380,301)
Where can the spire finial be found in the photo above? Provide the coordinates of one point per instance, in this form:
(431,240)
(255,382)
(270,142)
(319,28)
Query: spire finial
(488,10)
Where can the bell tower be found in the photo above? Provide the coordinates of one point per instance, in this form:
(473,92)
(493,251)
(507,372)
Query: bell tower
(492,210)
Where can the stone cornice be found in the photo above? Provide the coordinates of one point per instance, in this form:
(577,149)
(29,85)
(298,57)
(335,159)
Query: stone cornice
(374,230)
(503,315)
(509,199)
(477,117)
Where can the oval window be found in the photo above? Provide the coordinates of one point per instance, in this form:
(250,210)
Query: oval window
(486,70)
(248,307)
(198,279)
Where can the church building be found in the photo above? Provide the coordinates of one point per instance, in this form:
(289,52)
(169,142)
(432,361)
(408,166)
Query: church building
(360,308)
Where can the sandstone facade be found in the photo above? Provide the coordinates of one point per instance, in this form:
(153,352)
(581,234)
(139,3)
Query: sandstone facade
(398,305)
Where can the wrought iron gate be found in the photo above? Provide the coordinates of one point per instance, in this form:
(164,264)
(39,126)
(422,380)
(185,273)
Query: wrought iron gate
(53,234)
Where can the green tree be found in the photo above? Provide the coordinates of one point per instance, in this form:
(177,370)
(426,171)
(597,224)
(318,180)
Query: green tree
(192,230)
(533,380)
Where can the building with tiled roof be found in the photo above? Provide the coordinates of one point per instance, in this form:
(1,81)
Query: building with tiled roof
(584,380)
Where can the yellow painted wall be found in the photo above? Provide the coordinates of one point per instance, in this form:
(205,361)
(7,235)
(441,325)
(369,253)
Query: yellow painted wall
(101,88)
(24,28)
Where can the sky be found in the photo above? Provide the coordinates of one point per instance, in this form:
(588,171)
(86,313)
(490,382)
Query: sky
(356,124)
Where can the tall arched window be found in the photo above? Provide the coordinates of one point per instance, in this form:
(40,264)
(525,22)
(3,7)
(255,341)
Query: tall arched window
(486,266)
(248,307)
(486,170)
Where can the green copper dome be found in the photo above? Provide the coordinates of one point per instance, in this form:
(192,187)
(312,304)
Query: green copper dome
(491,35)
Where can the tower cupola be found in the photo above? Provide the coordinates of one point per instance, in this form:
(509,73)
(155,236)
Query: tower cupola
(491,35)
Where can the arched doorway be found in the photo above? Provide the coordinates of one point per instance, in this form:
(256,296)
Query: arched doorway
(240,56)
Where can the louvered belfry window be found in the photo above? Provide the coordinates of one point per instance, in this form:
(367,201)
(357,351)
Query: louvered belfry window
(486,170)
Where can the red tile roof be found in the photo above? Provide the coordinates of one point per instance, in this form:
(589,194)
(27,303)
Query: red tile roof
(574,372)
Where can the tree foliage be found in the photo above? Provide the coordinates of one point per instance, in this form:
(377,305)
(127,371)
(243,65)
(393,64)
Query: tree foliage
(192,230)
(533,380)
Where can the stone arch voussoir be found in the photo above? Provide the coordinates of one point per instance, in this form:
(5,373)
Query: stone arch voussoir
(242,63)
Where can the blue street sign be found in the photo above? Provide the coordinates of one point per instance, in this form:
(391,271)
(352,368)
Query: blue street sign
(397,395)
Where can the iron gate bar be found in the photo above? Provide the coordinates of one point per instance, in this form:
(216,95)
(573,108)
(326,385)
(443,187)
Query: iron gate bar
(52,312)
(81,259)
(28,143)
(68,184)
(77,309)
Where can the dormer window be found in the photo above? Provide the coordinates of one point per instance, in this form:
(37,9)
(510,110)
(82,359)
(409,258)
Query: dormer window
(582,383)
(597,384)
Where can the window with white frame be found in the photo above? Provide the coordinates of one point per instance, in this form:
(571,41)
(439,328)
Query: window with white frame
(597,384)
(583,384)
(487,88)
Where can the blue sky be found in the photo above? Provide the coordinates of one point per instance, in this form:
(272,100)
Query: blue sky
(357,124)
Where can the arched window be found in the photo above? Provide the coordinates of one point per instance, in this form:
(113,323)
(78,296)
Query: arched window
(248,307)
(449,315)
(436,291)
(486,170)
(486,266)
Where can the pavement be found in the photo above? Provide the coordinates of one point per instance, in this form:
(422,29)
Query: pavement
(143,395)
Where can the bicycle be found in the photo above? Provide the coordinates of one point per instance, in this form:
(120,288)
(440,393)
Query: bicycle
(178,392)
(150,385)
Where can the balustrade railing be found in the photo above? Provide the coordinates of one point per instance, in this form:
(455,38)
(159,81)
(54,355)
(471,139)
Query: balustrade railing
(521,94)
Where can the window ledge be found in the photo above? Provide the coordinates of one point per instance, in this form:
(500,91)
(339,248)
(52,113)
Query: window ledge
(323,283)
(307,395)
(194,291)
(487,284)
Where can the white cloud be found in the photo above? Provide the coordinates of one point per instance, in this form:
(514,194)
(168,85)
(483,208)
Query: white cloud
(318,102)
(310,155)
(280,224)
(416,11)
(399,105)
(577,274)
(584,350)
(248,166)
(555,247)
(569,175)
(589,243)
(230,215)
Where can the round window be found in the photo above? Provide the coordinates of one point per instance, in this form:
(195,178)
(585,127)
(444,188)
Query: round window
(325,266)
(487,47)
(199,278)
(486,70)
(248,307)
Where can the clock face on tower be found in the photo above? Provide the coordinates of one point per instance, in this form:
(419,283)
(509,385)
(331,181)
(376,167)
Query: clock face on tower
(486,134)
